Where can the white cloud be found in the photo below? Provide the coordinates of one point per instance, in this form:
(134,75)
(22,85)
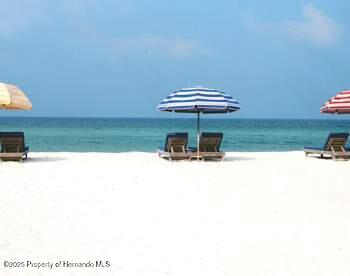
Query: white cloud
(75,22)
(148,45)
(17,16)
(84,7)
(315,27)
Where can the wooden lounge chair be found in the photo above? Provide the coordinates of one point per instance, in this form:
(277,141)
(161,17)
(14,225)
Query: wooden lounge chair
(175,147)
(209,146)
(13,146)
(334,147)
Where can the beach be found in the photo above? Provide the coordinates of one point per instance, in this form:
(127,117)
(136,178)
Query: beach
(255,213)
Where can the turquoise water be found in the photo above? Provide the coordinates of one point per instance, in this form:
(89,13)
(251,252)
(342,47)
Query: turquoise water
(122,134)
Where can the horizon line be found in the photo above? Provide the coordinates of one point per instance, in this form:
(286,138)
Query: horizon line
(151,117)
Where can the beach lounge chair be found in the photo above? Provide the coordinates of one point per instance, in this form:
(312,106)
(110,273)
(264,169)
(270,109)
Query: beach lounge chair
(12,146)
(334,147)
(175,147)
(209,146)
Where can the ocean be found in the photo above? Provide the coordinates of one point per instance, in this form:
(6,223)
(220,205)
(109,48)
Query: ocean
(146,134)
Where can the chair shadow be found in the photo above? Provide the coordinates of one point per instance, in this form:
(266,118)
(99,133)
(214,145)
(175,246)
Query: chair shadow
(44,159)
(328,158)
(237,158)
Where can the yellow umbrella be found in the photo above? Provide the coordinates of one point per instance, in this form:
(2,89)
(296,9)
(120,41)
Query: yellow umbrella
(11,97)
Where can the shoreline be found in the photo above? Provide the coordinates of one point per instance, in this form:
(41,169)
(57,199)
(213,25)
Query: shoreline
(140,156)
(283,159)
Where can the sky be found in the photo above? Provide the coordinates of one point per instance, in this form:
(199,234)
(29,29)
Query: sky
(120,58)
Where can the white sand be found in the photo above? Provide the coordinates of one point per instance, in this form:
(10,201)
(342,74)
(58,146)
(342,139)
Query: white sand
(253,214)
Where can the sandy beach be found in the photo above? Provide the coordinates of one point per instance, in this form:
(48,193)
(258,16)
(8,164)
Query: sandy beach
(252,214)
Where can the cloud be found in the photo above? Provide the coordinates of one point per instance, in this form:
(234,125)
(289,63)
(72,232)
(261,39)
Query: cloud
(82,8)
(20,16)
(17,16)
(84,27)
(149,45)
(315,28)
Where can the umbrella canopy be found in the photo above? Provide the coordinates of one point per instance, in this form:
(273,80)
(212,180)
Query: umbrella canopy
(11,97)
(199,100)
(339,104)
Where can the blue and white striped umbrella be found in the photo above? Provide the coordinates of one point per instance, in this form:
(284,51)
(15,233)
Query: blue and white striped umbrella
(199,100)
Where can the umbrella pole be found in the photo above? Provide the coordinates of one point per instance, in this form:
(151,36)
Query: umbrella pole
(198,135)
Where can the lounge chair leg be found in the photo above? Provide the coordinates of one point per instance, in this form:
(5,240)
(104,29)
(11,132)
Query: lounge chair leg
(333,153)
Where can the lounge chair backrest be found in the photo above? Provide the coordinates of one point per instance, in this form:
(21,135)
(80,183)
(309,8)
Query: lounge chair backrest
(336,141)
(210,141)
(12,141)
(176,142)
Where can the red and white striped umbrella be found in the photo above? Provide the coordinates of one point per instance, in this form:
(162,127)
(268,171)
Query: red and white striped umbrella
(339,104)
